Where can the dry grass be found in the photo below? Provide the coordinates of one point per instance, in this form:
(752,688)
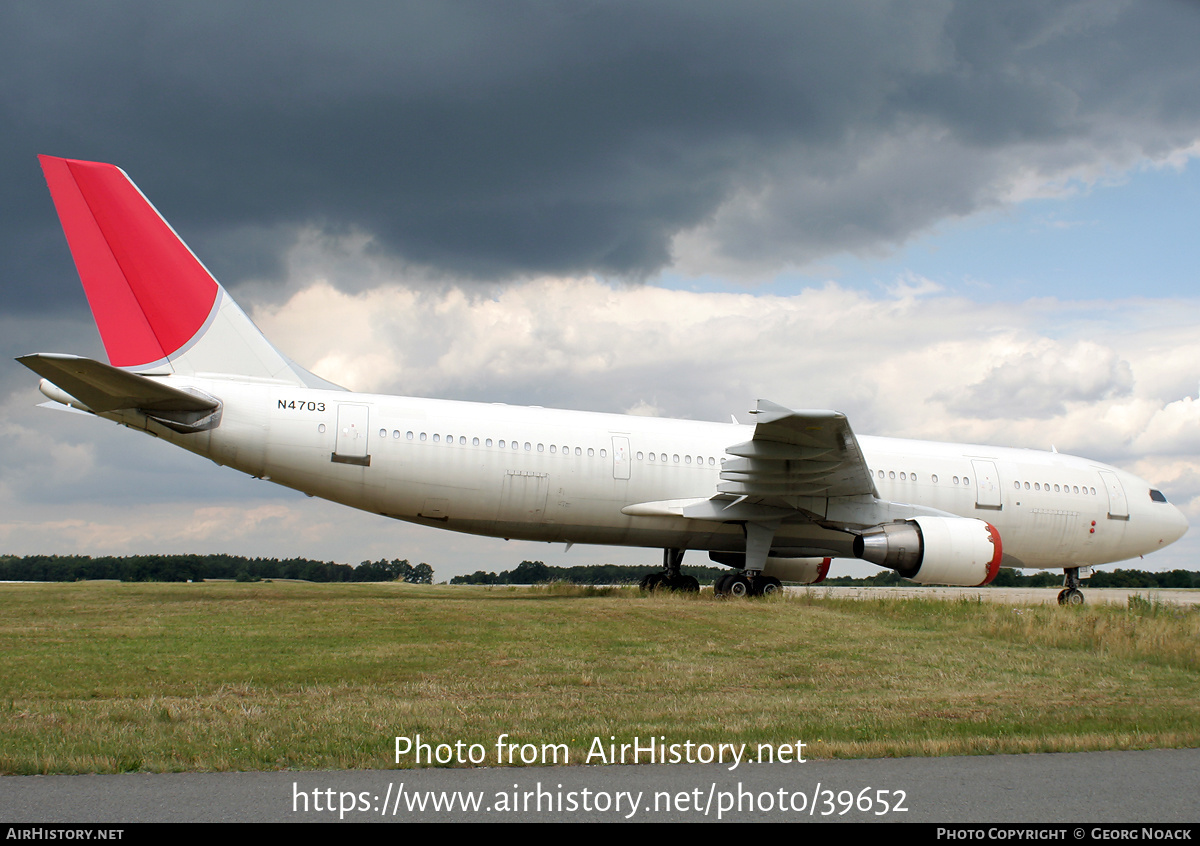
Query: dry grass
(106,677)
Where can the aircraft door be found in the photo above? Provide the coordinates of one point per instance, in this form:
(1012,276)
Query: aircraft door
(621,460)
(350,446)
(987,484)
(1118,506)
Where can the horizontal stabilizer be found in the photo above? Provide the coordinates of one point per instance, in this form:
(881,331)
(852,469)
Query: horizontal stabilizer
(103,388)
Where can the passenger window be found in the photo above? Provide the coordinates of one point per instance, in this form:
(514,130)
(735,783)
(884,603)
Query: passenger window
(639,456)
(603,453)
(591,452)
(474,441)
(409,435)
(578,451)
(423,436)
(488,442)
(437,439)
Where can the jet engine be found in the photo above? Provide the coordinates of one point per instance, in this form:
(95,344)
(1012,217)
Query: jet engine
(935,550)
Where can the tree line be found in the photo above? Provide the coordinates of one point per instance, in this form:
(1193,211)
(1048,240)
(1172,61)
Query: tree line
(182,568)
(196,568)
(536,572)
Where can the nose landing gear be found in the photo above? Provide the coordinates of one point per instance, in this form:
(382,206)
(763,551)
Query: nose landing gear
(1070,594)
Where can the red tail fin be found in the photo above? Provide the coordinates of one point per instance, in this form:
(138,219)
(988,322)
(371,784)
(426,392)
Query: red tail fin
(149,294)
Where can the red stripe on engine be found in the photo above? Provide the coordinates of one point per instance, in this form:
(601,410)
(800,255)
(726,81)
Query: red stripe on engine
(994,564)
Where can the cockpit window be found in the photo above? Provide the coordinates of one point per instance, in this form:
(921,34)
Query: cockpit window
(1157,496)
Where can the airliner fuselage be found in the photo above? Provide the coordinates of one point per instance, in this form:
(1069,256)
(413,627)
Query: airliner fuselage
(578,477)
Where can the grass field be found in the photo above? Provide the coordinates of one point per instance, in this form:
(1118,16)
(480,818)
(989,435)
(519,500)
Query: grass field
(110,677)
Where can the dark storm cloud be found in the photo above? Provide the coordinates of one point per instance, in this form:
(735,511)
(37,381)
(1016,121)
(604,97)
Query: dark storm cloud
(494,139)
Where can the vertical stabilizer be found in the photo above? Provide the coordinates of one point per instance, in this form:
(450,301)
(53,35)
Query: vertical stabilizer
(157,307)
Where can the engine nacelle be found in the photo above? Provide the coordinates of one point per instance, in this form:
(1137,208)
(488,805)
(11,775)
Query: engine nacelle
(935,550)
(806,571)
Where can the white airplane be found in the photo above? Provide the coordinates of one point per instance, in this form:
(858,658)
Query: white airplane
(775,500)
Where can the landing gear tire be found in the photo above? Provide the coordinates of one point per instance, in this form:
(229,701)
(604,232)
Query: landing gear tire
(771,587)
(661,581)
(721,584)
(1071,596)
(738,586)
(651,581)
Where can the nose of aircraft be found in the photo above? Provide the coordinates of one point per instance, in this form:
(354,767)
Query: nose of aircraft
(1174,525)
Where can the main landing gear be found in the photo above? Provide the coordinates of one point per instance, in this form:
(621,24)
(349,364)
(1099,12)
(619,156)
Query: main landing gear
(1070,594)
(670,578)
(746,583)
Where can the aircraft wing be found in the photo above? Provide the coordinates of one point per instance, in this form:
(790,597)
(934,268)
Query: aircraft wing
(793,454)
(796,453)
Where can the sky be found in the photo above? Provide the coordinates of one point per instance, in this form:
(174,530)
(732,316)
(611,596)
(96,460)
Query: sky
(950,220)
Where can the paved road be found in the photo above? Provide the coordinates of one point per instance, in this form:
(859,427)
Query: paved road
(1012,596)
(1158,786)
